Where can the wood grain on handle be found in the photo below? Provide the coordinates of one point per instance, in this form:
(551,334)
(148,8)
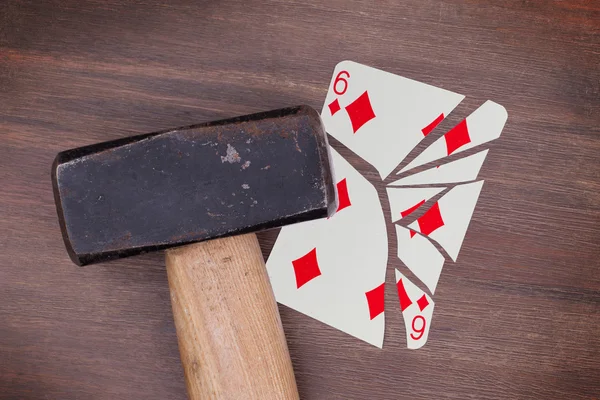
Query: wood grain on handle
(230,336)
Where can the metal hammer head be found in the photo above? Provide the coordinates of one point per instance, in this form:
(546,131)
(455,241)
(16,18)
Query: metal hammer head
(170,188)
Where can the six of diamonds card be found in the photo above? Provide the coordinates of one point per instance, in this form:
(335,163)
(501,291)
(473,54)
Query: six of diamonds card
(334,269)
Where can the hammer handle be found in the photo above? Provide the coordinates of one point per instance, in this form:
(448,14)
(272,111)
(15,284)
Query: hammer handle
(230,336)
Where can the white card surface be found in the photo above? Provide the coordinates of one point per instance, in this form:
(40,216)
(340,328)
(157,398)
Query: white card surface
(417,311)
(345,289)
(420,256)
(381,116)
(447,221)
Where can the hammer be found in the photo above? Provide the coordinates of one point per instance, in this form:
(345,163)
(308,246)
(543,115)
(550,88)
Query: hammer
(200,192)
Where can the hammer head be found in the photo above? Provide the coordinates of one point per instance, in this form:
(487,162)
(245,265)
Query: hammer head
(170,188)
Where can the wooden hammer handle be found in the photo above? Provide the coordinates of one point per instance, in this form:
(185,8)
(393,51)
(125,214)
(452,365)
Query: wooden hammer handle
(230,336)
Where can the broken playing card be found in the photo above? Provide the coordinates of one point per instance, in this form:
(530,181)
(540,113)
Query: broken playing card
(334,269)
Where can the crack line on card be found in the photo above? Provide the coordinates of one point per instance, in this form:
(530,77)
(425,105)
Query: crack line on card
(465,108)
(409,219)
(372,176)
(440,162)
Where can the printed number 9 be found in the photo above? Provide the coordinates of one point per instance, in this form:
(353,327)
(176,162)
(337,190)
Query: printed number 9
(338,79)
(421,330)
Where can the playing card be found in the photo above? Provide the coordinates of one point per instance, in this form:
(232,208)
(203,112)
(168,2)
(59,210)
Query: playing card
(381,116)
(447,220)
(417,310)
(334,269)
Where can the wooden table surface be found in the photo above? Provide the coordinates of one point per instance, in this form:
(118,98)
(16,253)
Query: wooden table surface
(517,317)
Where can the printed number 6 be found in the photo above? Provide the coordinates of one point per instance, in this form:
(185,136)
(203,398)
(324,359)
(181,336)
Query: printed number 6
(338,79)
(420,331)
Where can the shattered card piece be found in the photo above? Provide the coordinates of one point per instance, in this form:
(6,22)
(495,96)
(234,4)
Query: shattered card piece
(420,256)
(404,201)
(381,116)
(333,269)
(483,125)
(417,310)
(447,220)
(462,170)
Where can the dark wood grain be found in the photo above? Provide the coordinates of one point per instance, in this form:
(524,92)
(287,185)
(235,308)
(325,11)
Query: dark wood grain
(517,316)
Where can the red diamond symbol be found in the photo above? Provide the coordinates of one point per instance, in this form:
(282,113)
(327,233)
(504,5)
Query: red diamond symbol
(360,111)
(457,137)
(334,106)
(375,299)
(431,220)
(405,301)
(306,268)
(413,208)
(427,130)
(423,302)
(343,197)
